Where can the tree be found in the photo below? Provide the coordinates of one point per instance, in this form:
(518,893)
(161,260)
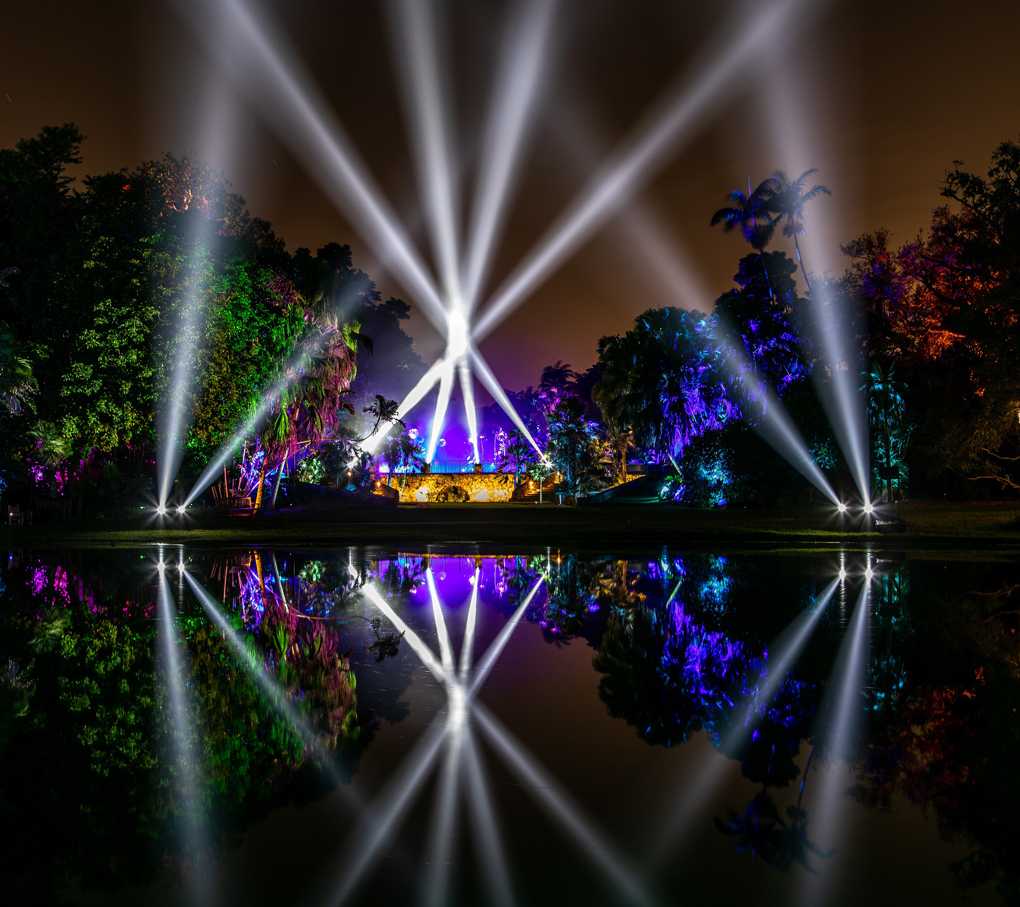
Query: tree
(890,431)
(661,382)
(943,308)
(574,449)
(750,212)
(515,456)
(762,318)
(786,199)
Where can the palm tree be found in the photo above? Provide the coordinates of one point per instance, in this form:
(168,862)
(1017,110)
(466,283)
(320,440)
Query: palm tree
(785,199)
(384,411)
(557,382)
(750,212)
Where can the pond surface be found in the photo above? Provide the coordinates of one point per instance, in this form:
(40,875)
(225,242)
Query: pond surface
(372,726)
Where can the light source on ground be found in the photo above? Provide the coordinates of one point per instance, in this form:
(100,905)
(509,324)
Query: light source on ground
(841,507)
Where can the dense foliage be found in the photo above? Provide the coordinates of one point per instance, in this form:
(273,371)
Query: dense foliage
(100,283)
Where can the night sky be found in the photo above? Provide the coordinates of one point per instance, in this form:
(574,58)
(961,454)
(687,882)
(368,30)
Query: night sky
(885,96)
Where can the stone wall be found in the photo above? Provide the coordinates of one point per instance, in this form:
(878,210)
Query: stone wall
(451,487)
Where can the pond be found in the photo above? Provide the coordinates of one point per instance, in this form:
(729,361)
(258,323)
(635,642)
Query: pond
(448,726)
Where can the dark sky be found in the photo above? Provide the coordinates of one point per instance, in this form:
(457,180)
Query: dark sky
(881,96)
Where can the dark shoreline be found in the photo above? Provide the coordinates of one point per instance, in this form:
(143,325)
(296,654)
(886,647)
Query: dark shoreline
(928,525)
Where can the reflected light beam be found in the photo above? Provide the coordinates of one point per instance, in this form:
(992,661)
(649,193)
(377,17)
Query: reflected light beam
(394,802)
(490,844)
(188,771)
(492,654)
(789,645)
(443,833)
(467,646)
(419,648)
(637,159)
(437,615)
(549,795)
(839,741)
(274,694)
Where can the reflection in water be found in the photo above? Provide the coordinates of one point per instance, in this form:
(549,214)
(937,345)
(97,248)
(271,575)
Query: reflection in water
(839,737)
(461,708)
(764,718)
(744,732)
(185,767)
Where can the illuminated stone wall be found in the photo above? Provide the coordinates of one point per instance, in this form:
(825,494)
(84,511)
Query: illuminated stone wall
(453,487)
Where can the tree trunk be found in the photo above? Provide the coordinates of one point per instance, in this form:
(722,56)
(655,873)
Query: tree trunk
(765,270)
(803,269)
(279,477)
(262,482)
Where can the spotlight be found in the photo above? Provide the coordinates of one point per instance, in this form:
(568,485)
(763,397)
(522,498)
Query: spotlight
(161,566)
(841,507)
(842,575)
(160,510)
(869,508)
(868,573)
(182,509)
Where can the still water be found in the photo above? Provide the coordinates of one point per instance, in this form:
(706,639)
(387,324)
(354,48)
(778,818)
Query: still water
(391,726)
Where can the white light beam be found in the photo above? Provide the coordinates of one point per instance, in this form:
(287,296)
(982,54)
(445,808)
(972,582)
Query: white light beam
(442,403)
(304,123)
(425,92)
(470,413)
(499,395)
(551,796)
(505,135)
(637,159)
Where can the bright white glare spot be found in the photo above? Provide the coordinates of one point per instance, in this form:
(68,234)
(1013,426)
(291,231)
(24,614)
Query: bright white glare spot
(842,575)
(869,573)
(161,565)
(457,334)
(458,707)
(182,509)
(869,508)
(841,507)
(160,510)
